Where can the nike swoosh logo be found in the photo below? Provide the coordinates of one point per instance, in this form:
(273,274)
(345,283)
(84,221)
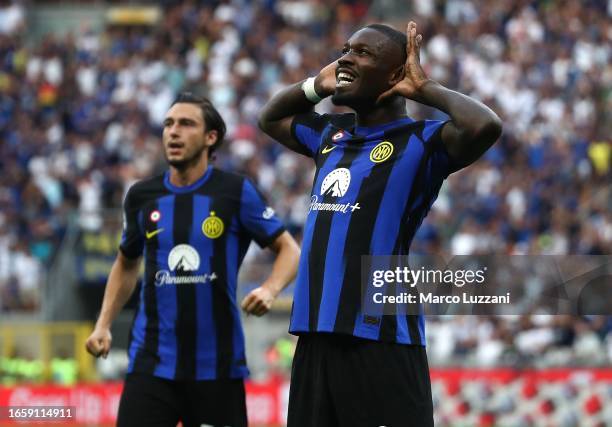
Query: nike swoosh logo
(150,234)
(326,150)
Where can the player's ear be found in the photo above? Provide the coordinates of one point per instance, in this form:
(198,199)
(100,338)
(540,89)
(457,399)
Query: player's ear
(397,75)
(210,137)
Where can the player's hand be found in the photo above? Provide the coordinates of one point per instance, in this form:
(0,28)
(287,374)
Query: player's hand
(99,342)
(325,82)
(414,76)
(258,301)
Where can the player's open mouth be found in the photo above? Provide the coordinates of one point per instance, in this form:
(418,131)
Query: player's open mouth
(344,79)
(174,147)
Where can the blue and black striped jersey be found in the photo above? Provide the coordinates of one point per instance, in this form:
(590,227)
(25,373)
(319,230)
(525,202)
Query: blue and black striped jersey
(372,189)
(193,240)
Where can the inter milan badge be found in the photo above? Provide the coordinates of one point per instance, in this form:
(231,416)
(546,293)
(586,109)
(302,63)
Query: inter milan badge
(338,135)
(381,152)
(155,216)
(212,227)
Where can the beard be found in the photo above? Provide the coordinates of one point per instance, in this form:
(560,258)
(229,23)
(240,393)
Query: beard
(187,161)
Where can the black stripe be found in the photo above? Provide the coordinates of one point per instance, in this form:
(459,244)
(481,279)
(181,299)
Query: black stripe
(320,240)
(221,302)
(408,226)
(147,357)
(359,236)
(185,294)
(388,323)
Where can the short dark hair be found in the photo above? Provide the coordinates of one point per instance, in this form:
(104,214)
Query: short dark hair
(392,34)
(212,118)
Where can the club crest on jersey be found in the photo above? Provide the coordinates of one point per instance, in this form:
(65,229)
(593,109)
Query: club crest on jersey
(212,227)
(381,152)
(337,136)
(155,216)
(336,183)
(183,258)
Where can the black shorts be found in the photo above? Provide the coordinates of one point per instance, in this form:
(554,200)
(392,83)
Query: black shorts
(344,381)
(156,402)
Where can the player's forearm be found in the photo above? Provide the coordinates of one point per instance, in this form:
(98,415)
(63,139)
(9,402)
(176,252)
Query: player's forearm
(119,287)
(285,266)
(472,118)
(287,103)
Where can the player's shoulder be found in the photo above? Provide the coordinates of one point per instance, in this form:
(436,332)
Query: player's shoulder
(145,189)
(426,130)
(145,185)
(429,128)
(318,122)
(227,182)
(229,177)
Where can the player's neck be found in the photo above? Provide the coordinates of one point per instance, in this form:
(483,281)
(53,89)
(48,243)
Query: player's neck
(184,176)
(380,115)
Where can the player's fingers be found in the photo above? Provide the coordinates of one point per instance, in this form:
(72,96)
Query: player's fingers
(252,303)
(104,348)
(417,49)
(93,347)
(409,37)
(247,301)
(261,310)
(256,306)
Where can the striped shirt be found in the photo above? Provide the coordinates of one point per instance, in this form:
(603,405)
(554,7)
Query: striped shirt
(371,190)
(193,240)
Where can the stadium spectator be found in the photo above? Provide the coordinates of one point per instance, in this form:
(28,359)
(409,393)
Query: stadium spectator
(84,107)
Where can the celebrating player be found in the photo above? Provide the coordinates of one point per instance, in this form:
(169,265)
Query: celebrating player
(377,174)
(192,226)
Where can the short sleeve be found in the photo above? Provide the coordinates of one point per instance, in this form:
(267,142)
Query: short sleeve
(257,217)
(132,241)
(307,129)
(440,164)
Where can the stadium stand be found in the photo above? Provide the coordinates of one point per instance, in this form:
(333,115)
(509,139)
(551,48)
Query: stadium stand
(79,123)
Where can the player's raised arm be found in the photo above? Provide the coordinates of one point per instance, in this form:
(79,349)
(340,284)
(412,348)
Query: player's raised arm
(277,115)
(473,128)
(119,287)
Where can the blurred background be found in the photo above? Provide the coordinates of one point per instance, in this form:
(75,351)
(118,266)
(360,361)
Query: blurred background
(84,87)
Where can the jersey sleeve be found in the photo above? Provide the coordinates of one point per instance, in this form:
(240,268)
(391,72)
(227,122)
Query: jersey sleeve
(307,129)
(257,217)
(132,240)
(440,164)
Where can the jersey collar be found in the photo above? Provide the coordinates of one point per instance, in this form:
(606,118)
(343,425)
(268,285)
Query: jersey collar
(363,130)
(359,134)
(200,181)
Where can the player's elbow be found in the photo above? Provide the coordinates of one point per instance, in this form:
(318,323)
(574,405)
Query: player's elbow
(487,132)
(264,124)
(287,244)
(494,128)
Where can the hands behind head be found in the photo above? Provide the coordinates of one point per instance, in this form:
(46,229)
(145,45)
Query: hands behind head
(414,77)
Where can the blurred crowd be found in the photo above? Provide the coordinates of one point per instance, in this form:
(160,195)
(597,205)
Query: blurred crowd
(80,118)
